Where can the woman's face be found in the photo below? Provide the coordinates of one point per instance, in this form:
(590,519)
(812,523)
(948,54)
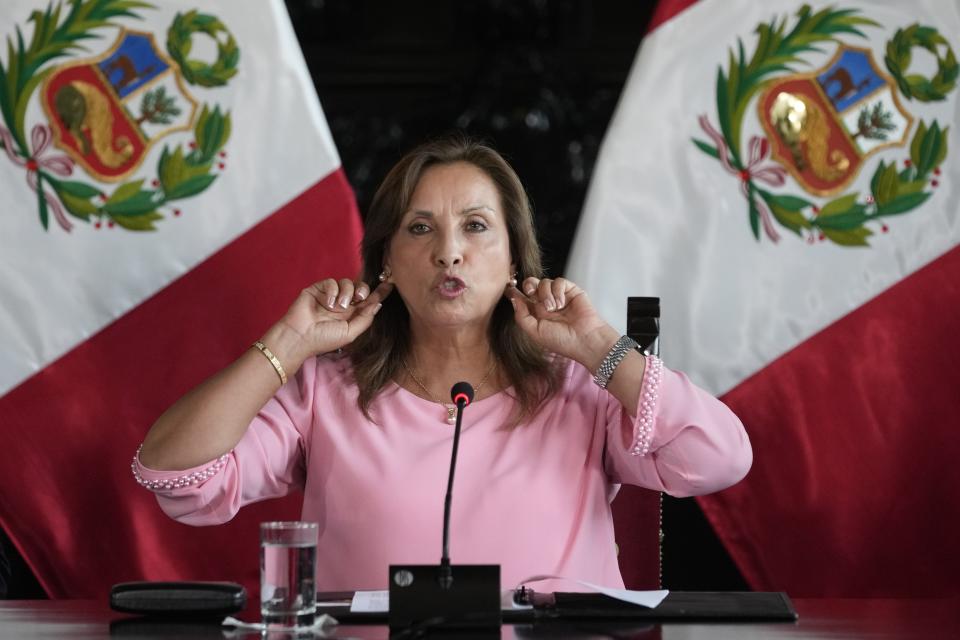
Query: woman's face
(450,257)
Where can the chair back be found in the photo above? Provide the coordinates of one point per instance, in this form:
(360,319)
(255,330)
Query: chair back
(638,526)
(637,512)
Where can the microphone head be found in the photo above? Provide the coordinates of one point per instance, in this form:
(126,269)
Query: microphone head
(461,392)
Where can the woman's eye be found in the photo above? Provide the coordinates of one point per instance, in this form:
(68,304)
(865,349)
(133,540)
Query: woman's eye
(419,228)
(476,225)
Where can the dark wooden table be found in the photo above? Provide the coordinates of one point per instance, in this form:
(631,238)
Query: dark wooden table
(828,618)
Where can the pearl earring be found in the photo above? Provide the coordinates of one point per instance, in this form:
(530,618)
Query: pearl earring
(513,280)
(384,274)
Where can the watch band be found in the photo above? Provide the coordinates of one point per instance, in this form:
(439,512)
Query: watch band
(610,363)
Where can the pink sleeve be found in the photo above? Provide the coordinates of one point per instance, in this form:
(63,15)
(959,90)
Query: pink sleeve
(268,461)
(682,441)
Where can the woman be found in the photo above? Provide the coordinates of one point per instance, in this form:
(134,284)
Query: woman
(564,408)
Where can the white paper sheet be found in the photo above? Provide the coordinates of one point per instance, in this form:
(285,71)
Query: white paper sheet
(370,602)
(643,598)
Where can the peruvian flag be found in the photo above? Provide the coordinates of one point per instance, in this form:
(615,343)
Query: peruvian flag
(169,185)
(784,176)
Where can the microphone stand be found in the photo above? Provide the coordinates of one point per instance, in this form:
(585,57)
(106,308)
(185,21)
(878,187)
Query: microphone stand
(425,596)
(446,572)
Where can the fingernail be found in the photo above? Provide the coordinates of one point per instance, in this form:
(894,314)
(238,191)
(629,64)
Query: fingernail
(344,302)
(549,305)
(331,301)
(362,295)
(514,303)
(377,308)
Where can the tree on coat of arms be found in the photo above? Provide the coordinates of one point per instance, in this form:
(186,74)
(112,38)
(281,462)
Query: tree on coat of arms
(822,126)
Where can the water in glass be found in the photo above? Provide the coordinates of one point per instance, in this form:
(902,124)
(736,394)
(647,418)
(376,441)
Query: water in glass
(287,578)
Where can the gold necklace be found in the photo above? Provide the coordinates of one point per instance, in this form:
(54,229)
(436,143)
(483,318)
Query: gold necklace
(451,408)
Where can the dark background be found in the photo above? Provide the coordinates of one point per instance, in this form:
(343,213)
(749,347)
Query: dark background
(537,79)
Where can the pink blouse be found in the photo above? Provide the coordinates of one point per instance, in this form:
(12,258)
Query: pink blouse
(534,499)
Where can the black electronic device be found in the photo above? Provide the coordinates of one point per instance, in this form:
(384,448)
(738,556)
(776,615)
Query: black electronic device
(447,596)
(678,605)
(178,599)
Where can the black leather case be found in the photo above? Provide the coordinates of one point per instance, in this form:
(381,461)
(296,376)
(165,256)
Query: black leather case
(178,598)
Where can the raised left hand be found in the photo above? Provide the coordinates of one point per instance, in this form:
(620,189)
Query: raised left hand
(558,316)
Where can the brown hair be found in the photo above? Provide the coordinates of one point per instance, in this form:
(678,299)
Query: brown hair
(377,354)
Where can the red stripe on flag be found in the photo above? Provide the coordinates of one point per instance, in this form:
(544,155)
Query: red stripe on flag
(70,503)
(855,481)
(667,9)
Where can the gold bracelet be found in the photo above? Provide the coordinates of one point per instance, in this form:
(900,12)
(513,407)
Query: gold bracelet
(273,360)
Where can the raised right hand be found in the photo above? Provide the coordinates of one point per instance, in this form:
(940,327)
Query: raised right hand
(330,314)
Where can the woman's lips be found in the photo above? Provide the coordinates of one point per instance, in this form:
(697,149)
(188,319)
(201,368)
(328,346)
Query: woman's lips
(451,287)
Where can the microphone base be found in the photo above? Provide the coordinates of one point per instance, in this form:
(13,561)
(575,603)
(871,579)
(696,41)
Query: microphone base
(471,602)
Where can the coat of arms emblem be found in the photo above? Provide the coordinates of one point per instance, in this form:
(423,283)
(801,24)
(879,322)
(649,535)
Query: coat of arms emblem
(106,112)
(92,105)
(823,127)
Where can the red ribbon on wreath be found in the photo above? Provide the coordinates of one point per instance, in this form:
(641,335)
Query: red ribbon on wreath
(61,165)
(759,149)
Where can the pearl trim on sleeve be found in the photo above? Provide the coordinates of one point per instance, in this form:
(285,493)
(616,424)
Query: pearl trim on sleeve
(649,394)
(177,482)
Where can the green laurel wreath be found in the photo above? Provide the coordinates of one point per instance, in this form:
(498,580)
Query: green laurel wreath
(131,206)
(915,85)
(179,44)
(842,220)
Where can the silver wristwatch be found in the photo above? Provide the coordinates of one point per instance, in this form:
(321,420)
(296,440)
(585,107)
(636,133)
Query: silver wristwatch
(610,363)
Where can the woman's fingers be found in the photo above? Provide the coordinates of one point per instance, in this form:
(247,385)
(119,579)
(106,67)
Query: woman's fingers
(545,294)
(530,286)
(361,292)
(521,309)
(379,294)
(559,290)
(339,295)
(325,292)
(364,312)
(361,320)
(332,313)
(345,293)
(551,293)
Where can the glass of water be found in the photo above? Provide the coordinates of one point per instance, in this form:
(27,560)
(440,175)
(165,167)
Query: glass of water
(288,588)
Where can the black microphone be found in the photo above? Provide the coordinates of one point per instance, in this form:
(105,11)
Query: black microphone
(425,595)
(462,395)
